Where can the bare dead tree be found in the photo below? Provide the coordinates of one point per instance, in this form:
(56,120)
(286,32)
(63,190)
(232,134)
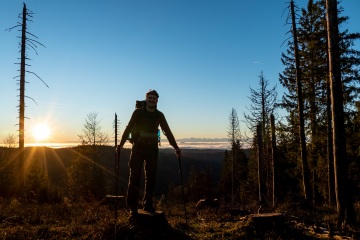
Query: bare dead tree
(10,141)
(25,44)
(263,104)
(345,207)
(274,156)
(261,178)
(304,160)
(92,133)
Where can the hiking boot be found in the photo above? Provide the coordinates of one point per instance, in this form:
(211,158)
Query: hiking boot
(133,217)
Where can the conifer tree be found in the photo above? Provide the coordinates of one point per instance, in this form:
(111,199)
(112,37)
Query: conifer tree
(312,41)
(200,184)
(345,205)
(233,135)
(300,106)
(234,165)
(224,186)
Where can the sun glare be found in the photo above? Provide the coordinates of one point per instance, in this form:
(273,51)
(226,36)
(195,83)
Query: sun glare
(41,132)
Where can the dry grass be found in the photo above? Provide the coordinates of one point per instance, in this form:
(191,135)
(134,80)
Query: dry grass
(57,221)
(92,220)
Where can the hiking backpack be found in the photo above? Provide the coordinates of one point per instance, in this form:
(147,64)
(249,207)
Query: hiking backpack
(134,134)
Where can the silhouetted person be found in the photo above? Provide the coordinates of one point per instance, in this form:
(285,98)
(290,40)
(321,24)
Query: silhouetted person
(145,148)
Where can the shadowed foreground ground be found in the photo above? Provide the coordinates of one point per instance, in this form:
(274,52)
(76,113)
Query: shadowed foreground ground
(69,220)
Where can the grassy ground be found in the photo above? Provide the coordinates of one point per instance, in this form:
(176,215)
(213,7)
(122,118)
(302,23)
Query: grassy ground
(69,220)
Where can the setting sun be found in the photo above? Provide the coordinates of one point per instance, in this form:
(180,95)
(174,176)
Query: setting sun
(41,132)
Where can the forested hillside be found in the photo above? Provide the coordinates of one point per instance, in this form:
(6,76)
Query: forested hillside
(60,168)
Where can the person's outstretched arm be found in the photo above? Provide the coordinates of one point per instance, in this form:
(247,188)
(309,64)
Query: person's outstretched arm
(128,129)
(165,127)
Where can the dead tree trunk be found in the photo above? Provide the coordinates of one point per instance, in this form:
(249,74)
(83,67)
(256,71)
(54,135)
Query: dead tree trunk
(22,105)
(25,43)
(304,160)
(274,155)
(261,176)
(345,207)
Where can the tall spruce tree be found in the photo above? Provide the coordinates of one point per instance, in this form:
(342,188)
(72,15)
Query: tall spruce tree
(234,136)
(312,41)
(345,205)
(234,166)
(300,107)
(314,76)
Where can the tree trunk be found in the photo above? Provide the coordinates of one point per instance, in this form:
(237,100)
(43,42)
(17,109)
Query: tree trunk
(314,139)
(22,106)
(305,165)
(261,179)
(345,207)
(330,151)
(274,153)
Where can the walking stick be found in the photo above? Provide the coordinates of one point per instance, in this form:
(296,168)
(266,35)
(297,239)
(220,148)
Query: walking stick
(182,186)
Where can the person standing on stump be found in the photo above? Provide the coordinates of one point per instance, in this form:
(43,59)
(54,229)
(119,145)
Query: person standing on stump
(143,126)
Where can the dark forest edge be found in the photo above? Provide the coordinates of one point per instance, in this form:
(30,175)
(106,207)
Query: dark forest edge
(70,171)
(57,211)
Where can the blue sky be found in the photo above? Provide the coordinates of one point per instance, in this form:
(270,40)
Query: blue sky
(202,56)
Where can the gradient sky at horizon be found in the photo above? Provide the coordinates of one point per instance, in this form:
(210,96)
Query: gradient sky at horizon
(101,56)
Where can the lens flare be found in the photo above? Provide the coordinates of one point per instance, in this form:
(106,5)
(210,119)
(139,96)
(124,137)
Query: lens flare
(41,132)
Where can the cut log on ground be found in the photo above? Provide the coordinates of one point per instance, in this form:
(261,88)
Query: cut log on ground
(113,199)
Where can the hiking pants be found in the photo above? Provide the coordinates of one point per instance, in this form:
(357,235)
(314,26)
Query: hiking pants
(138,157)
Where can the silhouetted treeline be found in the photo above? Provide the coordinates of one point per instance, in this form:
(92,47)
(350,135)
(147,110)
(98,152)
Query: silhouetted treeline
(85,173)
(52,174)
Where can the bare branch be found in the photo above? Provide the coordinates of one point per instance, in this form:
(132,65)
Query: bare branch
(38,77)
(31,43)
(288,6)
(32,100)
(33,48)
(285,41)
(31,34)
(32,40)
(29,13)
(9,29)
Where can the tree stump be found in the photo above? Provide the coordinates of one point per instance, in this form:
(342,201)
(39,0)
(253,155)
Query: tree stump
(151,222)
(265,222)
(154,226)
